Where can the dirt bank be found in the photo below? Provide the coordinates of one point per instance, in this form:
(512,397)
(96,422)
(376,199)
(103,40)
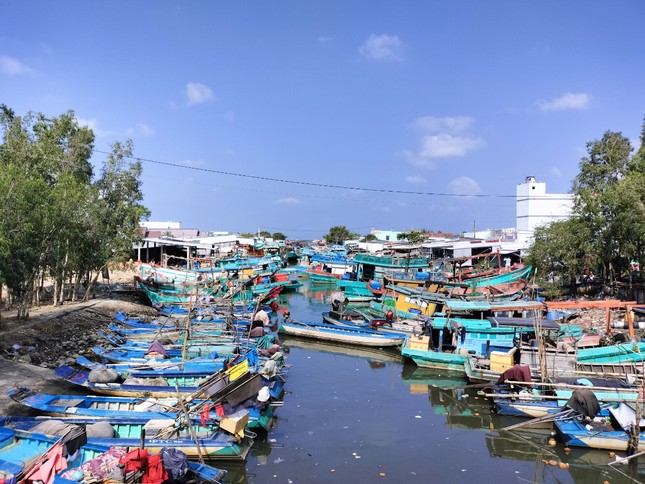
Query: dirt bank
(52,336)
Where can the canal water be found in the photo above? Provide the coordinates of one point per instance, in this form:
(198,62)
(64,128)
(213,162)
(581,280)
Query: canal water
(360,415)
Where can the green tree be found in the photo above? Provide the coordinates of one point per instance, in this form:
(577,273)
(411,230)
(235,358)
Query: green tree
(414,236)
(279,236)
(339,234)
(55,220)
(369,238)
(607,226)
(119,209)
(600,190)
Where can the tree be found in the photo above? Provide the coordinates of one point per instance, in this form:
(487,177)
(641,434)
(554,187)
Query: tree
(55,219)
(279,236)
(601,189)
(414,236)
(45,165)
(369,238)
(119,209)
(607,227)
(339,234)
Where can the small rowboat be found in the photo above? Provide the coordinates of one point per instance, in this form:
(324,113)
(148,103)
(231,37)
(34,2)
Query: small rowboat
(342,334)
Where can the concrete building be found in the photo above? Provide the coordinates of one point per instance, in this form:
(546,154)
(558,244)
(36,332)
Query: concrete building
(534,207)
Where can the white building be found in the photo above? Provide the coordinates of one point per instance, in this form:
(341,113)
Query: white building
(534,208)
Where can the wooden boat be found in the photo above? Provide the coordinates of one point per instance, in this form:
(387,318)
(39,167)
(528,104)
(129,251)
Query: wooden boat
(371,267)
(98,406)
(608,435)
(318,275)
(152,368)
(125,354)
(156,386)
(117,463)
(206,441)
(342,334)
(352,318)
(22,453)
(453,339)
(540,399)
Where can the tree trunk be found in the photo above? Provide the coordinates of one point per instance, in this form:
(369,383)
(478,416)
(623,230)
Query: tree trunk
(90,285)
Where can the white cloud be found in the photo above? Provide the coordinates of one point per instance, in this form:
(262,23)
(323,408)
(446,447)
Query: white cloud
(449,124)
(556,171)
(11,66)
(569,100)
(324,39)
(463,185)
(447,146)
(288,201)
(416,180)
(93,124)
(443,137)
(382,48)
(197,93)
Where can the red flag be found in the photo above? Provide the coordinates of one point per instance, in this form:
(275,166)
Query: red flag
(205,414)
(219,410)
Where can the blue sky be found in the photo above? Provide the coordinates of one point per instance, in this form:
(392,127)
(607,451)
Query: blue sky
(380,98)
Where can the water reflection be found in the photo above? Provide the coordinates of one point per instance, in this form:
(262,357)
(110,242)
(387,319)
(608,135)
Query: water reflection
(588,466)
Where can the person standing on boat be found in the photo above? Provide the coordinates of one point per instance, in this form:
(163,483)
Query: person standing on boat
(263,317)
(338,301)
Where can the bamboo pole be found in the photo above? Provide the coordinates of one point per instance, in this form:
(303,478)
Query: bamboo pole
(190,426)
(528,398)
(574,387)
(537,420)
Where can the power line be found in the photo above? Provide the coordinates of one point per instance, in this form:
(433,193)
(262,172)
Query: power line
(321,185)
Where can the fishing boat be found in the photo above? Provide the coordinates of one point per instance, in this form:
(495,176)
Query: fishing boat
(98,406)
(117,464)
(319,274)
(533,400)
(373,267)
(24,453)
(161,386)
(207,441)
(451,340)
(129,353)
(341,334)
(609,434)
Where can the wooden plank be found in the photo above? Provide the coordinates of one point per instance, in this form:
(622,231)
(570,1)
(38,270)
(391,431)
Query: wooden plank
(605,303)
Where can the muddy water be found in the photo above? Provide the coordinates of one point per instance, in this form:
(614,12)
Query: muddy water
(356,415)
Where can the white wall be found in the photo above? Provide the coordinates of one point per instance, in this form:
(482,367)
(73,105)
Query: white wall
(534,207)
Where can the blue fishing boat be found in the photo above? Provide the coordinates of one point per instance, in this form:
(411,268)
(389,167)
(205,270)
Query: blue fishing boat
(98,406)
(207,441)
(24,453)
(451,340)
(342,334)
(125,354)
(117,464)
(144,385)
(609,434)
